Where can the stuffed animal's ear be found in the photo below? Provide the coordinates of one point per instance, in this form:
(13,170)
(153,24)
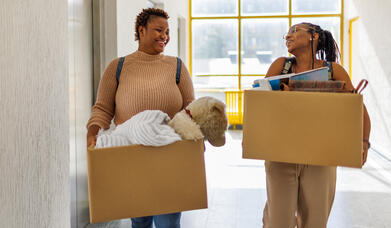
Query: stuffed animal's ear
(217,105)
(220,141)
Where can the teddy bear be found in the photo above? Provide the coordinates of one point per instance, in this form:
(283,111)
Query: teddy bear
(205,117)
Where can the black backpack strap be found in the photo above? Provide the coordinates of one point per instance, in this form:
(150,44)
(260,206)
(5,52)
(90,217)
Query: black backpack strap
(119,68)
(330,72)
(178,70)
(288,65)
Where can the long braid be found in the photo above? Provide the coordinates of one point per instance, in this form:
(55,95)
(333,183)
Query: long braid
(331,50)
(327,48)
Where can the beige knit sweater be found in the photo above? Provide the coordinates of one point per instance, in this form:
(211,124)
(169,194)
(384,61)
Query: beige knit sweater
(147,82)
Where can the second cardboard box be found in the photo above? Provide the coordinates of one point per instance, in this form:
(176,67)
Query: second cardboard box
(303,127)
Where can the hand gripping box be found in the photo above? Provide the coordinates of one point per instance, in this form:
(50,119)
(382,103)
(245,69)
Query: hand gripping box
(315,128)
(134,181)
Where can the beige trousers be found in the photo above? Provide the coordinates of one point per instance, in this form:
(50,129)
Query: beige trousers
(298,195)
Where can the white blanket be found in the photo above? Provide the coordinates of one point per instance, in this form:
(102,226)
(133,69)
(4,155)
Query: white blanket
(147,128)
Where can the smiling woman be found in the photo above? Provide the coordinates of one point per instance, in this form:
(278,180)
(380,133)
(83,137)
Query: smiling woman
(148,80)
(152,31)
(296,193)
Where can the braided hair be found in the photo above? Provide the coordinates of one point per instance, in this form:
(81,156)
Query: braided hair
(327,48)
(145,16)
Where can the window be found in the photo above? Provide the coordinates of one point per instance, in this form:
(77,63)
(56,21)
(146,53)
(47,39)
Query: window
(234,41)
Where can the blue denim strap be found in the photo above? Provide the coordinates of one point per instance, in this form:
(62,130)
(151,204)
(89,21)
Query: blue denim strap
(287,68)
(178,70)
(119,68)
(330,71)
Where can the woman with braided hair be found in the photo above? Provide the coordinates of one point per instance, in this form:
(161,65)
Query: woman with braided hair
(303,195)
(143,80)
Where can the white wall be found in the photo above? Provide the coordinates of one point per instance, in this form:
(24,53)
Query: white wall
(371,53)
(80,95)
(34,114)
(110,30)
(127,12)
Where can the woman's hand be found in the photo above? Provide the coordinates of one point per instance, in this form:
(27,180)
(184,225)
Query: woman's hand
(365,152)
(91,135)
(91,140)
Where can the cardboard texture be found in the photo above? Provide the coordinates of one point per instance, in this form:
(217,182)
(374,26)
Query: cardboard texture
(134,181)
(303,127)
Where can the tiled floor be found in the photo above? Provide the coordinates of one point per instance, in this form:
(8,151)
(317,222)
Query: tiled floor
(237,194)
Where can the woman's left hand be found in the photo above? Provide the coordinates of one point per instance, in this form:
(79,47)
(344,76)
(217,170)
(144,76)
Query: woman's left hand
(364,153)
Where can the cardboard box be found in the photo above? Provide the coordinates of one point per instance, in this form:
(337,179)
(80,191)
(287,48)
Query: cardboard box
(134,181)
(303,127)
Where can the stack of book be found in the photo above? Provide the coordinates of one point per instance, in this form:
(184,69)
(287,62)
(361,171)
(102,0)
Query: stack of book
(316,80)
(316,86)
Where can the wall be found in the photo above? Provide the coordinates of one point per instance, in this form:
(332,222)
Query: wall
(34,114)
(80,101)
(126,16)
(370,60)
(104,15)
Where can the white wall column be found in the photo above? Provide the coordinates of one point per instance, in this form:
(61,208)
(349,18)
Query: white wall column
(34,114)
(370,60)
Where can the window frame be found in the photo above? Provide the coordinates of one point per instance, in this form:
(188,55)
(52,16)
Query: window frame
(239,17)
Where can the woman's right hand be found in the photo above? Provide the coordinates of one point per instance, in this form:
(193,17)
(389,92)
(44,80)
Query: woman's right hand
(91,140)
(91,135)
